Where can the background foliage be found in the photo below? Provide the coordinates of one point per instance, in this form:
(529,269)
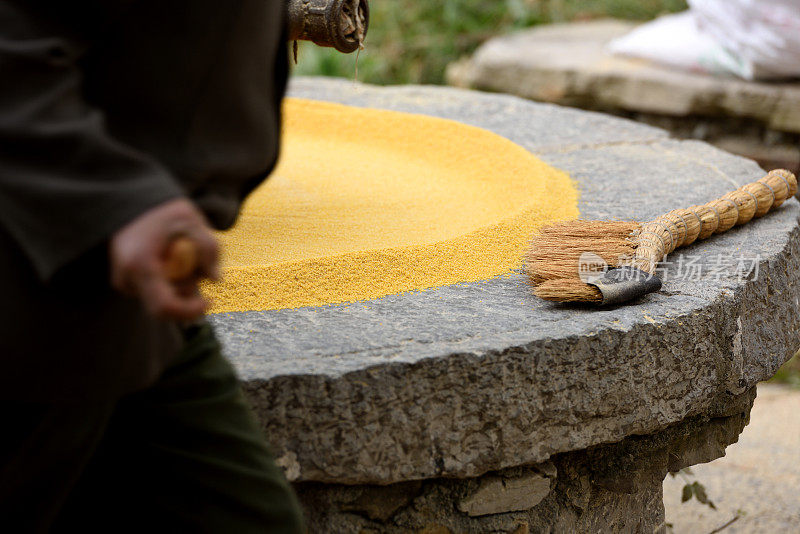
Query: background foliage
(790,372)
(412,41)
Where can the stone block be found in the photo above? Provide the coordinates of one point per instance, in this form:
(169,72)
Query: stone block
(568,64)
(497,495)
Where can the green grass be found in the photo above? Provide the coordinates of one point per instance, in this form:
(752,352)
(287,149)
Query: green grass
(412,41)
(790,372)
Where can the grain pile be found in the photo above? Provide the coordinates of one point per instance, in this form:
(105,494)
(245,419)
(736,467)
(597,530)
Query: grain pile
(366,203)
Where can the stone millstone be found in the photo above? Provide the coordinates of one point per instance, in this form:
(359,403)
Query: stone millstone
(478,377)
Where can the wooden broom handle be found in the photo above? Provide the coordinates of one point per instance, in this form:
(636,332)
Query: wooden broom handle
(181,260)
(682,227)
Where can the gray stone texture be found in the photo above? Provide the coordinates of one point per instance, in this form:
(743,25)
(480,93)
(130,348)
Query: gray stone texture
(499,495)
(462,380)
(607,488)
(568,64)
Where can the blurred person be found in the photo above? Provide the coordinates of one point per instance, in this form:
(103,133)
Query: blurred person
(124,124)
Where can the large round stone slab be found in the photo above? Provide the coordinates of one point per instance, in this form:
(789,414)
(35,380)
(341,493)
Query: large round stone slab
(469,378)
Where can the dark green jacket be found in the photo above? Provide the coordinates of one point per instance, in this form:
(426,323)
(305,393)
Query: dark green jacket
(108,108)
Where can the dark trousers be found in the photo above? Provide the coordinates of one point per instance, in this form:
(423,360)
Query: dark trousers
(185,455)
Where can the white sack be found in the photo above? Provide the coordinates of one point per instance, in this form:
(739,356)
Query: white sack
(753,39)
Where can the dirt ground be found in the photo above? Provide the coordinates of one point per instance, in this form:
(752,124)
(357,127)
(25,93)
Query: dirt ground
(758,480)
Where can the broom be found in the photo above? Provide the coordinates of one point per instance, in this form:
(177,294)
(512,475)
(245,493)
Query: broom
(614,262)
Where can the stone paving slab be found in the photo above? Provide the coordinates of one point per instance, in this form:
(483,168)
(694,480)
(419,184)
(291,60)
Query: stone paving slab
(759,475)
(465,379)
(568,64)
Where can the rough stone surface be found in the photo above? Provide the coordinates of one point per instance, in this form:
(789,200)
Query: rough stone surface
(568,64)
(498,495)
(607,488)
(758,480)
(471,378)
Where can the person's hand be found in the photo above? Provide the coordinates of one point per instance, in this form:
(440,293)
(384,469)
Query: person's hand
(138,257)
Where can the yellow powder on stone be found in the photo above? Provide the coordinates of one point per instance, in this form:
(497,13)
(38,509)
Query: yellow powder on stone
(365,203)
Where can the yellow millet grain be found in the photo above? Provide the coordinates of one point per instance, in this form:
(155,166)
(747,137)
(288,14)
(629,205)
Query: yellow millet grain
(366,203)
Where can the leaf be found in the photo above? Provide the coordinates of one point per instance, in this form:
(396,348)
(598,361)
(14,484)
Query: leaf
(701,495)
(700,492)
(687,492)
